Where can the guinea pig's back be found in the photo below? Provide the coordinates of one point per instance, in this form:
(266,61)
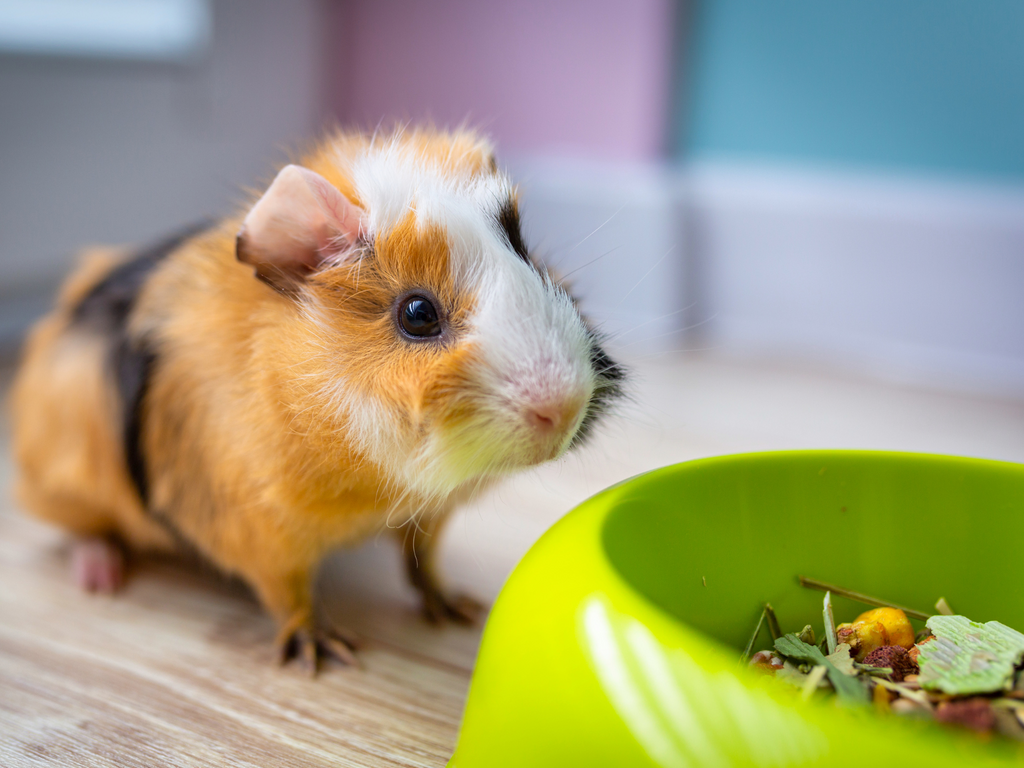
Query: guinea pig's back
(69,409)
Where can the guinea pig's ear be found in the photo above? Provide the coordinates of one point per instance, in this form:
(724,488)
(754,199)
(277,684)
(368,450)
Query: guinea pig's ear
(300,222)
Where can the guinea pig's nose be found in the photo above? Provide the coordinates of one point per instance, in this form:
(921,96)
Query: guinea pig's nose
(549,418)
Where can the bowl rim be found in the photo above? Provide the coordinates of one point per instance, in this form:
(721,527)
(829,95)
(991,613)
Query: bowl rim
(608,497)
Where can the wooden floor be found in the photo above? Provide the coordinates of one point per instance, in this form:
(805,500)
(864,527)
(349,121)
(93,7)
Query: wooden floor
(177,670)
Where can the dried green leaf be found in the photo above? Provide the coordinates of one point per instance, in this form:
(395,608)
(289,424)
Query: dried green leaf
(830,624)
(905,691)
(871,671)
(753,638)
(848,689)
(842,660)
(860,597)
(1007,703)
(773,622)
(969,657)
(1008,722)
(793,647)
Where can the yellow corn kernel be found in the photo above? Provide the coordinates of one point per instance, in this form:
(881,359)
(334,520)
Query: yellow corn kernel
(896,624)
(863,637)
(872,635)
(845,633)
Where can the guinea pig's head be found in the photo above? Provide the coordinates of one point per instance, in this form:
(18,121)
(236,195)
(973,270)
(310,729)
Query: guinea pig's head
(430,341)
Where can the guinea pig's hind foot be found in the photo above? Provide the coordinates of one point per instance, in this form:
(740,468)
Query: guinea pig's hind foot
(309,644)
(98,565)
(460,609)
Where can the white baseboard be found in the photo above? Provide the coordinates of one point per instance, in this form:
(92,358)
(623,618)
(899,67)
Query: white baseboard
(914,280)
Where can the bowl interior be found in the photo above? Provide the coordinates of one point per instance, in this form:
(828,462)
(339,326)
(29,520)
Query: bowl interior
(902,527)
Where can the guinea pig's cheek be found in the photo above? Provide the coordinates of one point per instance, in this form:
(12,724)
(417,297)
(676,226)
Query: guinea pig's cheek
(446,396)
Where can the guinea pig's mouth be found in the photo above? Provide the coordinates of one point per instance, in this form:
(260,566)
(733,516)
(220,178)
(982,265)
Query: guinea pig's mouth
(501,433)
(546,428)
(535,453)
(500,444)
(556,450)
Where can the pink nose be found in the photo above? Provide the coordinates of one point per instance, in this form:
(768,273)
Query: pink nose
(552,418)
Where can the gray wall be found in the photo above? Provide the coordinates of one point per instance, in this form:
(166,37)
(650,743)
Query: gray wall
(113,151)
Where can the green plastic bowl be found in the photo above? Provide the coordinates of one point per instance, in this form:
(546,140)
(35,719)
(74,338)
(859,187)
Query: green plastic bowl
(616,640)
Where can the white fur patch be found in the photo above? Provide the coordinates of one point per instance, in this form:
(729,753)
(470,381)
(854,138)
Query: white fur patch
(534,346)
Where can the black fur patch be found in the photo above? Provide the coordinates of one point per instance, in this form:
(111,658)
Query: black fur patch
(133,365)
(611,377)
(105,309)
(508,220)
(106,306)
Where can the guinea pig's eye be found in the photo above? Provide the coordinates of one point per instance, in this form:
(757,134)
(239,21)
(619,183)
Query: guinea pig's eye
(418,317)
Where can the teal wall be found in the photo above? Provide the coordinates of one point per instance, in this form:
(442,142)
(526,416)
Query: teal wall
(907,85)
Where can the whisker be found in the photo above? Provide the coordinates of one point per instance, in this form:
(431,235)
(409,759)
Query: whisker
(648,272)
(599,228)
(670,333)
(592,261)
(620,334)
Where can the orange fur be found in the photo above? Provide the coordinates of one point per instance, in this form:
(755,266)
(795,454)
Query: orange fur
(248,458)
(66,439)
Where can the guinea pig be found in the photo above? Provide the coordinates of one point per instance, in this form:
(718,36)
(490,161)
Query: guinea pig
(368,344)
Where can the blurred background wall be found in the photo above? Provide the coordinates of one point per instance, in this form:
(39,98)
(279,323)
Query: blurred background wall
(856,176)
(104,143)
(571,77)
(833,183)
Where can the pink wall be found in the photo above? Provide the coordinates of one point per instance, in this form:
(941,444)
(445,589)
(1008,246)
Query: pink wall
(541,76)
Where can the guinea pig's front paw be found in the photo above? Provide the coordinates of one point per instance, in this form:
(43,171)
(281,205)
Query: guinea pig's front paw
(461,609)
(308,643)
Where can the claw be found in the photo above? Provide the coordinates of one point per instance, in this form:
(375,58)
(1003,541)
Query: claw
(311,644)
